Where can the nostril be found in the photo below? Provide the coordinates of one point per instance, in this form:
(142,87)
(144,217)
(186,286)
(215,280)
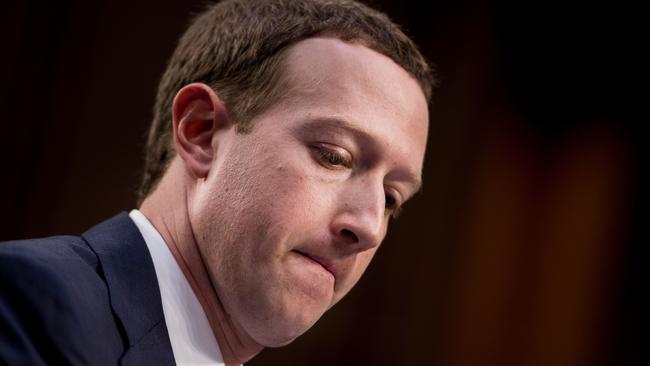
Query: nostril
(350,235)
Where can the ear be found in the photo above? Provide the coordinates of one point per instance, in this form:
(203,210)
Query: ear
(197,114)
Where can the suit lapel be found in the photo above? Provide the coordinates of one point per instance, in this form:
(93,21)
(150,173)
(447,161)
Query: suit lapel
(133,289)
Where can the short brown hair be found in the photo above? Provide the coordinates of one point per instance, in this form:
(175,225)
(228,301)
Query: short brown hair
(237,47)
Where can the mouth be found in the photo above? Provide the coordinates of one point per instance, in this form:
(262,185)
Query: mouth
(320,261)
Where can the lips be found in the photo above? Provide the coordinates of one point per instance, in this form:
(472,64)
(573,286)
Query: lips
(319,260)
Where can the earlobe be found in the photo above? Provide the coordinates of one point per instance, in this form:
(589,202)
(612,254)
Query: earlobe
(197,114)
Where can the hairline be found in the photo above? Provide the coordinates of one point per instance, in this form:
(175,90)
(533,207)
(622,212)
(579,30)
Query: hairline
(284,79)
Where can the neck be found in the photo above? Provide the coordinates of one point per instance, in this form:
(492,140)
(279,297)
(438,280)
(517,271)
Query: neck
(167,210)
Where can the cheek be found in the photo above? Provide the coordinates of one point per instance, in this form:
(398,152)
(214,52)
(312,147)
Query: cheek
(257,201)
(288,192)
(301,200)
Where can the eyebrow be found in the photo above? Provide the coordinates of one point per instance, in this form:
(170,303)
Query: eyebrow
(339,123)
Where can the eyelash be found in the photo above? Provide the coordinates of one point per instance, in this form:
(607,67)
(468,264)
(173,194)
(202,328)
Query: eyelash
(326,156)
(333,159)
(396,210)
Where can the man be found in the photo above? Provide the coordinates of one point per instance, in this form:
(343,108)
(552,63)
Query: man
(285,135)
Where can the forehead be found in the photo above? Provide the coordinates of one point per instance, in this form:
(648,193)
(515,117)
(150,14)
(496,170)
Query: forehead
(330,78)
(326,61)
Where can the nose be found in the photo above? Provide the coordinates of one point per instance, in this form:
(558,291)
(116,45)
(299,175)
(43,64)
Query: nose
(360,223)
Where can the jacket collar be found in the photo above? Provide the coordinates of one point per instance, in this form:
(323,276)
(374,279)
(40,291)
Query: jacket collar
(133,290)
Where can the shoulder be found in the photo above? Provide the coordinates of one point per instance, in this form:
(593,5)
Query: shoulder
(47,267)
(54,305)
(60,249)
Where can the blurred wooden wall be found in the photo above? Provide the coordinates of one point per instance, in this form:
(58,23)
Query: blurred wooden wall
(526,246)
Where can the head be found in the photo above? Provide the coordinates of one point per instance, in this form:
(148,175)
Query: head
(301,128)
(237,47)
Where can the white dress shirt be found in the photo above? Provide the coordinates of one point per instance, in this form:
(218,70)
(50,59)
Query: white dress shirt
(191,337)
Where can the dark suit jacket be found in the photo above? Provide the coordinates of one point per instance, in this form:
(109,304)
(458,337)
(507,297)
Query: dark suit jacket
(89,300)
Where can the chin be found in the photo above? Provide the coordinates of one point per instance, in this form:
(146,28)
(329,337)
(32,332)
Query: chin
(276,338)
(275,316)
(279,342)
(282,332)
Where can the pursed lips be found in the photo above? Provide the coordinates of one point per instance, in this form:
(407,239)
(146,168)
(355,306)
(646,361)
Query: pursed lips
(321,261)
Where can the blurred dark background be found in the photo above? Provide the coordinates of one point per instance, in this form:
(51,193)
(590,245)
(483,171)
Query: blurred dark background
(527,245)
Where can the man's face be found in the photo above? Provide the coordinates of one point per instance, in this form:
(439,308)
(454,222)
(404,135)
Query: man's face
(291,214)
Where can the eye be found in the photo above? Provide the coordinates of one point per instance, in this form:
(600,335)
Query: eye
(390,201)
(391,206)
(331,157)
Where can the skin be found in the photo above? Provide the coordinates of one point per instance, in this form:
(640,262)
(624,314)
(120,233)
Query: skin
(274,227)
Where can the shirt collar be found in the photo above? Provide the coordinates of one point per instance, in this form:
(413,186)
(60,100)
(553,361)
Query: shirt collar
(192,339)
